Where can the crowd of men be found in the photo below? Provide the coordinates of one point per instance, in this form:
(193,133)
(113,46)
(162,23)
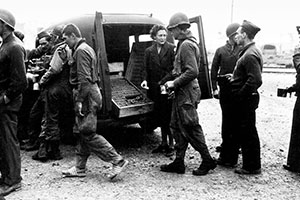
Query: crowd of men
(70,97)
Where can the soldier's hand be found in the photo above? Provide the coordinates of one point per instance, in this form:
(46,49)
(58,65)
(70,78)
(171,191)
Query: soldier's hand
(144,85)
(169,85)
(228,76)
(289,89)
(62,53)
(78,109)
(216,94)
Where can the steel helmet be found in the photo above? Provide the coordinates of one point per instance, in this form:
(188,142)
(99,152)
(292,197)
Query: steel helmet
(178,19)
(57,31)
(7,18)
(231,29)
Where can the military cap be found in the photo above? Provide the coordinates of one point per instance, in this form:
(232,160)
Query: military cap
(250,28)
(19,34)
(43,34)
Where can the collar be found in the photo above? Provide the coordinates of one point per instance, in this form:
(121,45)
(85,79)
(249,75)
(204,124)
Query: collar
(7,37)
(246,47)
(82,40)
(185,35)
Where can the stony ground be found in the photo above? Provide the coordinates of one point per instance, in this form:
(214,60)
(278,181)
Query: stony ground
(143,180)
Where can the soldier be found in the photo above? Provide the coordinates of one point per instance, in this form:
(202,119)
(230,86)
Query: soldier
(13,83)
(184,118)
(44,48)
(47,45)
(87,101)
(58,119)
(223,63)
(245,81)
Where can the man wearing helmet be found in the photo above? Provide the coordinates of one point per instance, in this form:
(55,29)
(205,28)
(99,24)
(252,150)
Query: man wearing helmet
(223,63)
(13,83)
(184,118)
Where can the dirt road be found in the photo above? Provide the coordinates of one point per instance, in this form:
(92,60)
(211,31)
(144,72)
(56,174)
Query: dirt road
(143,180)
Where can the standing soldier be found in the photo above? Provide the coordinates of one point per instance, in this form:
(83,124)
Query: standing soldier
(12,83)
(223,63)
(184,119)
(43,50)
(58,119)
(245,81)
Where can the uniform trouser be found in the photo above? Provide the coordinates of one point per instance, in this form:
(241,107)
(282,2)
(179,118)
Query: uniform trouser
(36,117)
(245,133)
(91,141)
(29,98)
(10,166)
(193,135)
(185,134)
(225,103)
(98,145)
(59,113)
(293,158)
(227,126)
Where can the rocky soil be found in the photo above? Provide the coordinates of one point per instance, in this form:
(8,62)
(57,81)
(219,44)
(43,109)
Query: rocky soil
(143,180)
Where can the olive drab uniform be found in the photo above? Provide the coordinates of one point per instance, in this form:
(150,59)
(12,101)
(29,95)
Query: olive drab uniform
(223,63)
(184,118)
(246,80)
(13,83)
(84,78)
(59,115)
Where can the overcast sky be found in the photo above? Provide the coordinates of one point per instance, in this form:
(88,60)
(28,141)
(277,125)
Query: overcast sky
(277,19)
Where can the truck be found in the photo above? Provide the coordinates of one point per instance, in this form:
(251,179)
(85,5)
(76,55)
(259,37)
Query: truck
(119,41)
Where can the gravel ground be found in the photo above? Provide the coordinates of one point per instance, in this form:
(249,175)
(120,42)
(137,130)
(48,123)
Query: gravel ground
(143,180)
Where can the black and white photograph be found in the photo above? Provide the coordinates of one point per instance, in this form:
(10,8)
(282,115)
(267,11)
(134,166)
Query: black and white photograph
(149,100)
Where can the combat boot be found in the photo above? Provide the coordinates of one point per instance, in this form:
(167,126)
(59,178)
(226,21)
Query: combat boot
(54,152)
(205,167)
(41,154)
(175,167)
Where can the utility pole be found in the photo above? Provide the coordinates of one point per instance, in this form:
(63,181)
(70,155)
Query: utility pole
(232,2)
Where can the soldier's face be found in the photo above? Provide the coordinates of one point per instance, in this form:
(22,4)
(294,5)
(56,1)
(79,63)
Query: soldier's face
(175,32)
(69,40)
(240,36)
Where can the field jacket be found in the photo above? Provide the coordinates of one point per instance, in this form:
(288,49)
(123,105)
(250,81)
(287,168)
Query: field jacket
(13,79)
(247,77)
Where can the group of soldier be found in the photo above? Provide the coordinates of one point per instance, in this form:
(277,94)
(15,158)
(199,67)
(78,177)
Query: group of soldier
(69,96)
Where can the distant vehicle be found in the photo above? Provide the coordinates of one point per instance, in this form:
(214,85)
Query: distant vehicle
(119,41)
(269,50)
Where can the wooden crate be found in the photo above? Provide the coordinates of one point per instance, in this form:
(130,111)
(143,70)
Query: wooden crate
(128,100)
